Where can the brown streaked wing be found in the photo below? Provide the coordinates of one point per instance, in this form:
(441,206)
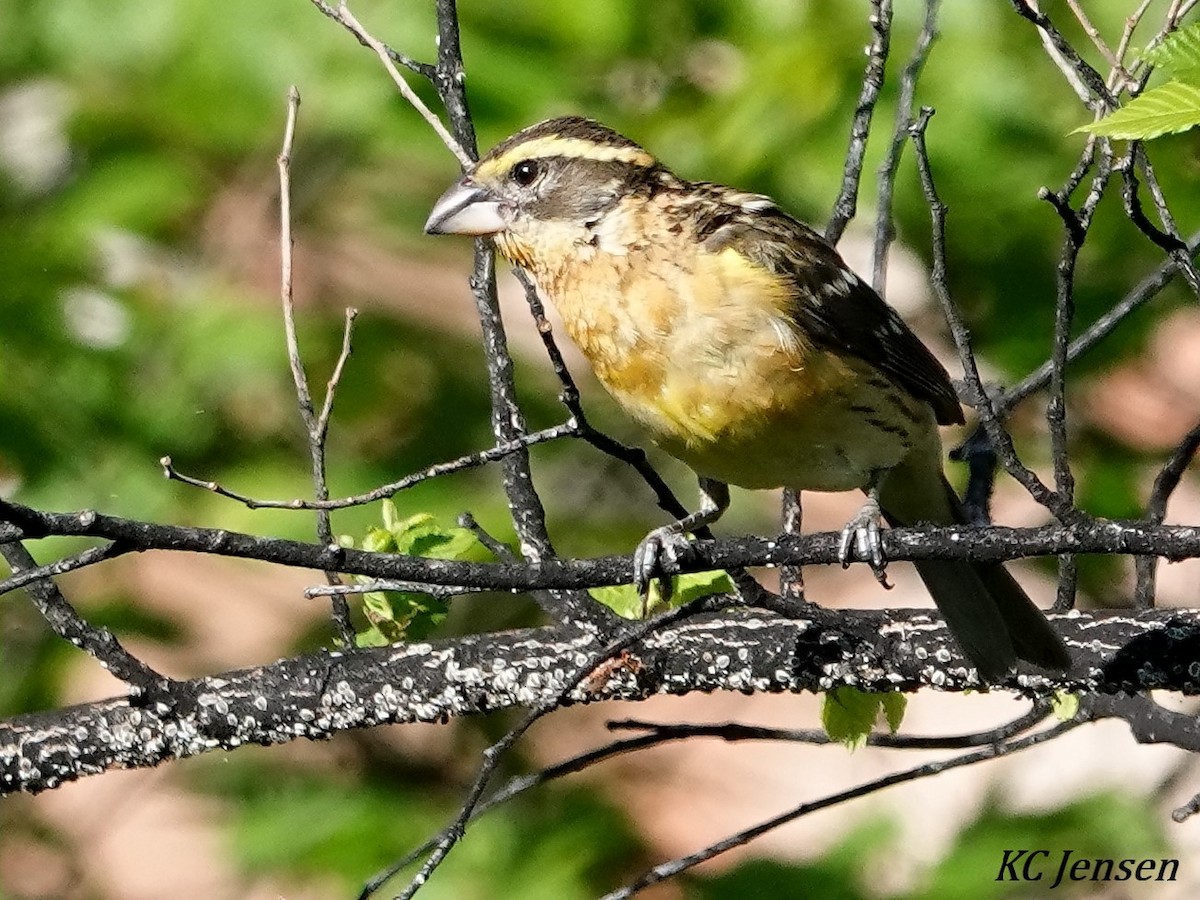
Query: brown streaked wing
(835,307)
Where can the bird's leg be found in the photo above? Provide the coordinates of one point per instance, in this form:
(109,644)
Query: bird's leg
(862,532)
(670,541)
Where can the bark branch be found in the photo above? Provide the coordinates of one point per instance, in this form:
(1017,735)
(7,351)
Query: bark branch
(317,696)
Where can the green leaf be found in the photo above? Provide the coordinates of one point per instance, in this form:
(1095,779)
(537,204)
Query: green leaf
(421,535)
(848,714)
(409,615)
(371,637)
(1065,706)
(1168,109)
(1179,52)
(894,705)
(391,517)
(378,540)
(625,601)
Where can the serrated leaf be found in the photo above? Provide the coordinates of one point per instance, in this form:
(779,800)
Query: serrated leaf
(894,704)
(1065,706)
(1168,109)
(847,715)
(1179,52)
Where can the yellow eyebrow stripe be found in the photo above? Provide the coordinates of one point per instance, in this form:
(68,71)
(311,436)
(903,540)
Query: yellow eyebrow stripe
(554,145)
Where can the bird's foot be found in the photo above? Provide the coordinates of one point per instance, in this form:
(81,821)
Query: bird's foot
(666,543)
(862,534)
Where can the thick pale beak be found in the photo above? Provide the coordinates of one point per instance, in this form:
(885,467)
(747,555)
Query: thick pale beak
(465,209)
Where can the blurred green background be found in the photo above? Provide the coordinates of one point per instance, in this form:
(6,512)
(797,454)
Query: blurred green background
(138,317)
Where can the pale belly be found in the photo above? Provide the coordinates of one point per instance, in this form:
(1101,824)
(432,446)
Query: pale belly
(828,439)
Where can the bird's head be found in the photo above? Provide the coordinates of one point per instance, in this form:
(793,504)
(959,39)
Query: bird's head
(557,177)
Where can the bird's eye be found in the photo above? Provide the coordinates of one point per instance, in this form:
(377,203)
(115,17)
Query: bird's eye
(525,172)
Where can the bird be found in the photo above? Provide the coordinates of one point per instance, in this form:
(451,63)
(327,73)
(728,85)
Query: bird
(739,339)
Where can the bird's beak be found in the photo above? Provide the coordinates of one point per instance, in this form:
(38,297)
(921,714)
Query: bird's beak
(466,208)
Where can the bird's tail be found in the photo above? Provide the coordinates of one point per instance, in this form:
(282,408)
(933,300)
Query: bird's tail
(990,616)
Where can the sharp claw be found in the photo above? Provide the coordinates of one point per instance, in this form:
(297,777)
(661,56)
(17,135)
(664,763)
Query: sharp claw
(659,545)
(844,546)
(862,532)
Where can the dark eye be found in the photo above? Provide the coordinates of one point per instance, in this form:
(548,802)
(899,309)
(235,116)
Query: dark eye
(525,172)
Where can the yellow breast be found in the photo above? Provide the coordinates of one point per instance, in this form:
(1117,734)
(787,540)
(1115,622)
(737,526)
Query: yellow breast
(699,348)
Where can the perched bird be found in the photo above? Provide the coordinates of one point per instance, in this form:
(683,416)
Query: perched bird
(746,347)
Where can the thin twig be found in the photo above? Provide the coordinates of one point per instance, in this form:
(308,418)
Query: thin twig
(25,576)
(1144,291)
(65,621)
(439,591)
(450,836)
(425,70)
(1075,228)
(996,432)
(791,578)
(885,229)
(734,732)
(572,399)
(467,461)
(499,549)
(1119,78)
(1169,239)
(339,368)
(1156,511)
(1094,33)
(996,544)
(846,204)
(669,733)
(346,19)
(1087,81)
(316,426)
(682,864)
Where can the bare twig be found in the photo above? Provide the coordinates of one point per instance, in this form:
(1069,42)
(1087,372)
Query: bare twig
(1144,291)
(25,576)
(1119,78)
(1075,227)
(335,377)
(736,731)
(316,426)
(1083,78)
(450,836)
(996,432)
(499,549)
(344,17)
(660,734)
(1094,34)
(440,591)
(1156,511)
(425,70)
(683,863)
(467,461)
(996,544)
(1169,239)
(846,204)
(885,230)
(62,617)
